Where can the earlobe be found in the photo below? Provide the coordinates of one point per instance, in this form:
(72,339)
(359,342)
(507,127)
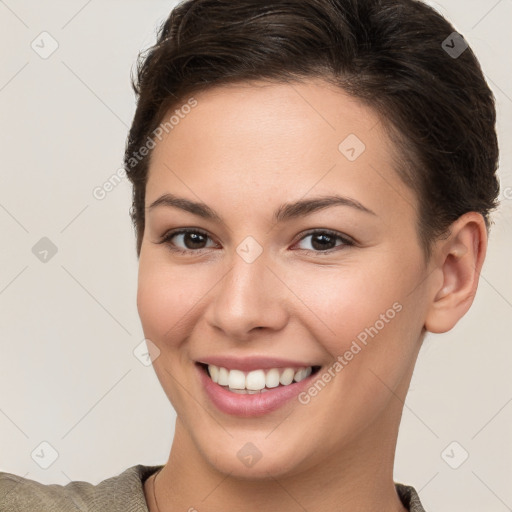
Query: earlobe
(460,258)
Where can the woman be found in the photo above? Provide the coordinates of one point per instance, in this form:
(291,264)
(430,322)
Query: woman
(312,183)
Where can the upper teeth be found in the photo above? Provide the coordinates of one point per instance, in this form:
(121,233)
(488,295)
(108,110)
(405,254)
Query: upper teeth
(257,379)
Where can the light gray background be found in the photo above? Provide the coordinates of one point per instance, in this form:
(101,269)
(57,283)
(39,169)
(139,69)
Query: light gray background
(68,327)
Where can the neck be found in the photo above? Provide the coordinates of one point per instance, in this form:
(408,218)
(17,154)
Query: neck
(357,478)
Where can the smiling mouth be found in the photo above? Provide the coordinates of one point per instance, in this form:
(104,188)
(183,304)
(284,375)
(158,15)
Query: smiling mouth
(256,381)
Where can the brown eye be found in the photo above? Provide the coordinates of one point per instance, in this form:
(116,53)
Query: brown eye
(325,241)
(193,240)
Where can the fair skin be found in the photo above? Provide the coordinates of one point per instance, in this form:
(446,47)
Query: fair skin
(244,151)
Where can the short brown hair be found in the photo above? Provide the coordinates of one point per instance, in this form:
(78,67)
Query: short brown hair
(390,54)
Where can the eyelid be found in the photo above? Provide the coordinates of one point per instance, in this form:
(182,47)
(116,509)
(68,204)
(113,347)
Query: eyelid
(166,237)
(347,240)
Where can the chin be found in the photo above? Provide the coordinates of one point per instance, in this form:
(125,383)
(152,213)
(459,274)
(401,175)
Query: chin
(255,460)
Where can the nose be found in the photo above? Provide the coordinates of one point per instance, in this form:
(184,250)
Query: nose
(249,298)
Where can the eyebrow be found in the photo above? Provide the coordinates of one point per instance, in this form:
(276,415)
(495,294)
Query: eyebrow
(284,212)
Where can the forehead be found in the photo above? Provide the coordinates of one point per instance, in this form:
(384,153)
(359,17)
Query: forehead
(269,140)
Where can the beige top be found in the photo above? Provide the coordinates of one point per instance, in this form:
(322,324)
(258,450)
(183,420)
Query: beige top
(121,493)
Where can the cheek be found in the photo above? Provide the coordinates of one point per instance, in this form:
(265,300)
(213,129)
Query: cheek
(366,322)
(165,300)
(368,316)
(166,309)
(346,301)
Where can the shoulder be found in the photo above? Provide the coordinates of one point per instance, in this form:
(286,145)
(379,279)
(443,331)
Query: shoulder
(23,494)
(121,492)
(409,498)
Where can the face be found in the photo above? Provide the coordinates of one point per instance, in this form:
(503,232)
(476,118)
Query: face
(257,285)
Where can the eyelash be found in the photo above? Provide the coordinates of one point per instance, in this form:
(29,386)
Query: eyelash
(166,238)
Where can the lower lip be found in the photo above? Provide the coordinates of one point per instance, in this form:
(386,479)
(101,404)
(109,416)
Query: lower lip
(247,405)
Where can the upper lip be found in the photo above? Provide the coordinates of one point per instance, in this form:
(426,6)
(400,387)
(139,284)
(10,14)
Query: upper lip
(248,364)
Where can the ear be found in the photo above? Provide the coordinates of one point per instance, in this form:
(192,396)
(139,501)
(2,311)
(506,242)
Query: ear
(459,259)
